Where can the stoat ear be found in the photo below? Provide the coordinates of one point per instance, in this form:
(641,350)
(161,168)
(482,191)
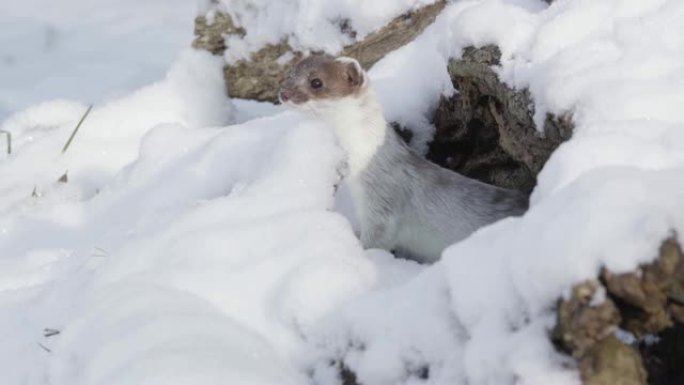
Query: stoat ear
(355,75)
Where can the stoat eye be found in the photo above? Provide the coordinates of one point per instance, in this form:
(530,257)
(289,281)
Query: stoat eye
(316,83)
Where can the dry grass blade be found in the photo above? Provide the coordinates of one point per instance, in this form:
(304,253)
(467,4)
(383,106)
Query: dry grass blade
(48,332)
(44,347)
(73,134)
(9,141)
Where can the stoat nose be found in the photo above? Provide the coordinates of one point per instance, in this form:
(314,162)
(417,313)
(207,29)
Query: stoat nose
(285,95)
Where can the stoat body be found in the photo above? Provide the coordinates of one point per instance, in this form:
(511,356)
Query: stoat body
(403,202)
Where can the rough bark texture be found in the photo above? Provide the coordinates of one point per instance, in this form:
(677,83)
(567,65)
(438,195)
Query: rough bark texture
(581,325)
(653,297)
(210,36)
(486,130)
(400,31)
(260,77)
(644,302)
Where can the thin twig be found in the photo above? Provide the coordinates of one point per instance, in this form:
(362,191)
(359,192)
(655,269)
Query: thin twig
(9,141)
(73,134)
(48,332)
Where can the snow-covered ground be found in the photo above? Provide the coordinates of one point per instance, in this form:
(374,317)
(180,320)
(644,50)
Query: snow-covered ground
(197,240)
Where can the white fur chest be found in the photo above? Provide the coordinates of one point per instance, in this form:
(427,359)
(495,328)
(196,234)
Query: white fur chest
(359,126)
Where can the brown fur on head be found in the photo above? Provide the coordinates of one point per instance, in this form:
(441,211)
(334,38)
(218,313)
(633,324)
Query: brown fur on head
(322,77)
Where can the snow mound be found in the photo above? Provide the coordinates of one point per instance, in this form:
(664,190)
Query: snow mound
(139,334)
(192,94)
(214,247)
(92,51)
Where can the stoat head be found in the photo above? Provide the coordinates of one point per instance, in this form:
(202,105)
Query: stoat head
(322,78)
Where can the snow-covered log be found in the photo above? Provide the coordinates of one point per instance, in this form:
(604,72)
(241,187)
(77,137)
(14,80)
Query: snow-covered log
(486,130)
(257,74)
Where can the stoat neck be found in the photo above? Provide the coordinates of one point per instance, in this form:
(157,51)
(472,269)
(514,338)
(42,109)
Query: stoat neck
(360,127)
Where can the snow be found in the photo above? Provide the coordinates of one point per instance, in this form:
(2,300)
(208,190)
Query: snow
(204,230)
(91,51)
(147,330)
(409,89)
(200,240)
(193,95)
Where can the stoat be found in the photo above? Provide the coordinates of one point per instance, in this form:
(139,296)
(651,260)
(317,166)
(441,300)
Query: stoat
(404,203)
